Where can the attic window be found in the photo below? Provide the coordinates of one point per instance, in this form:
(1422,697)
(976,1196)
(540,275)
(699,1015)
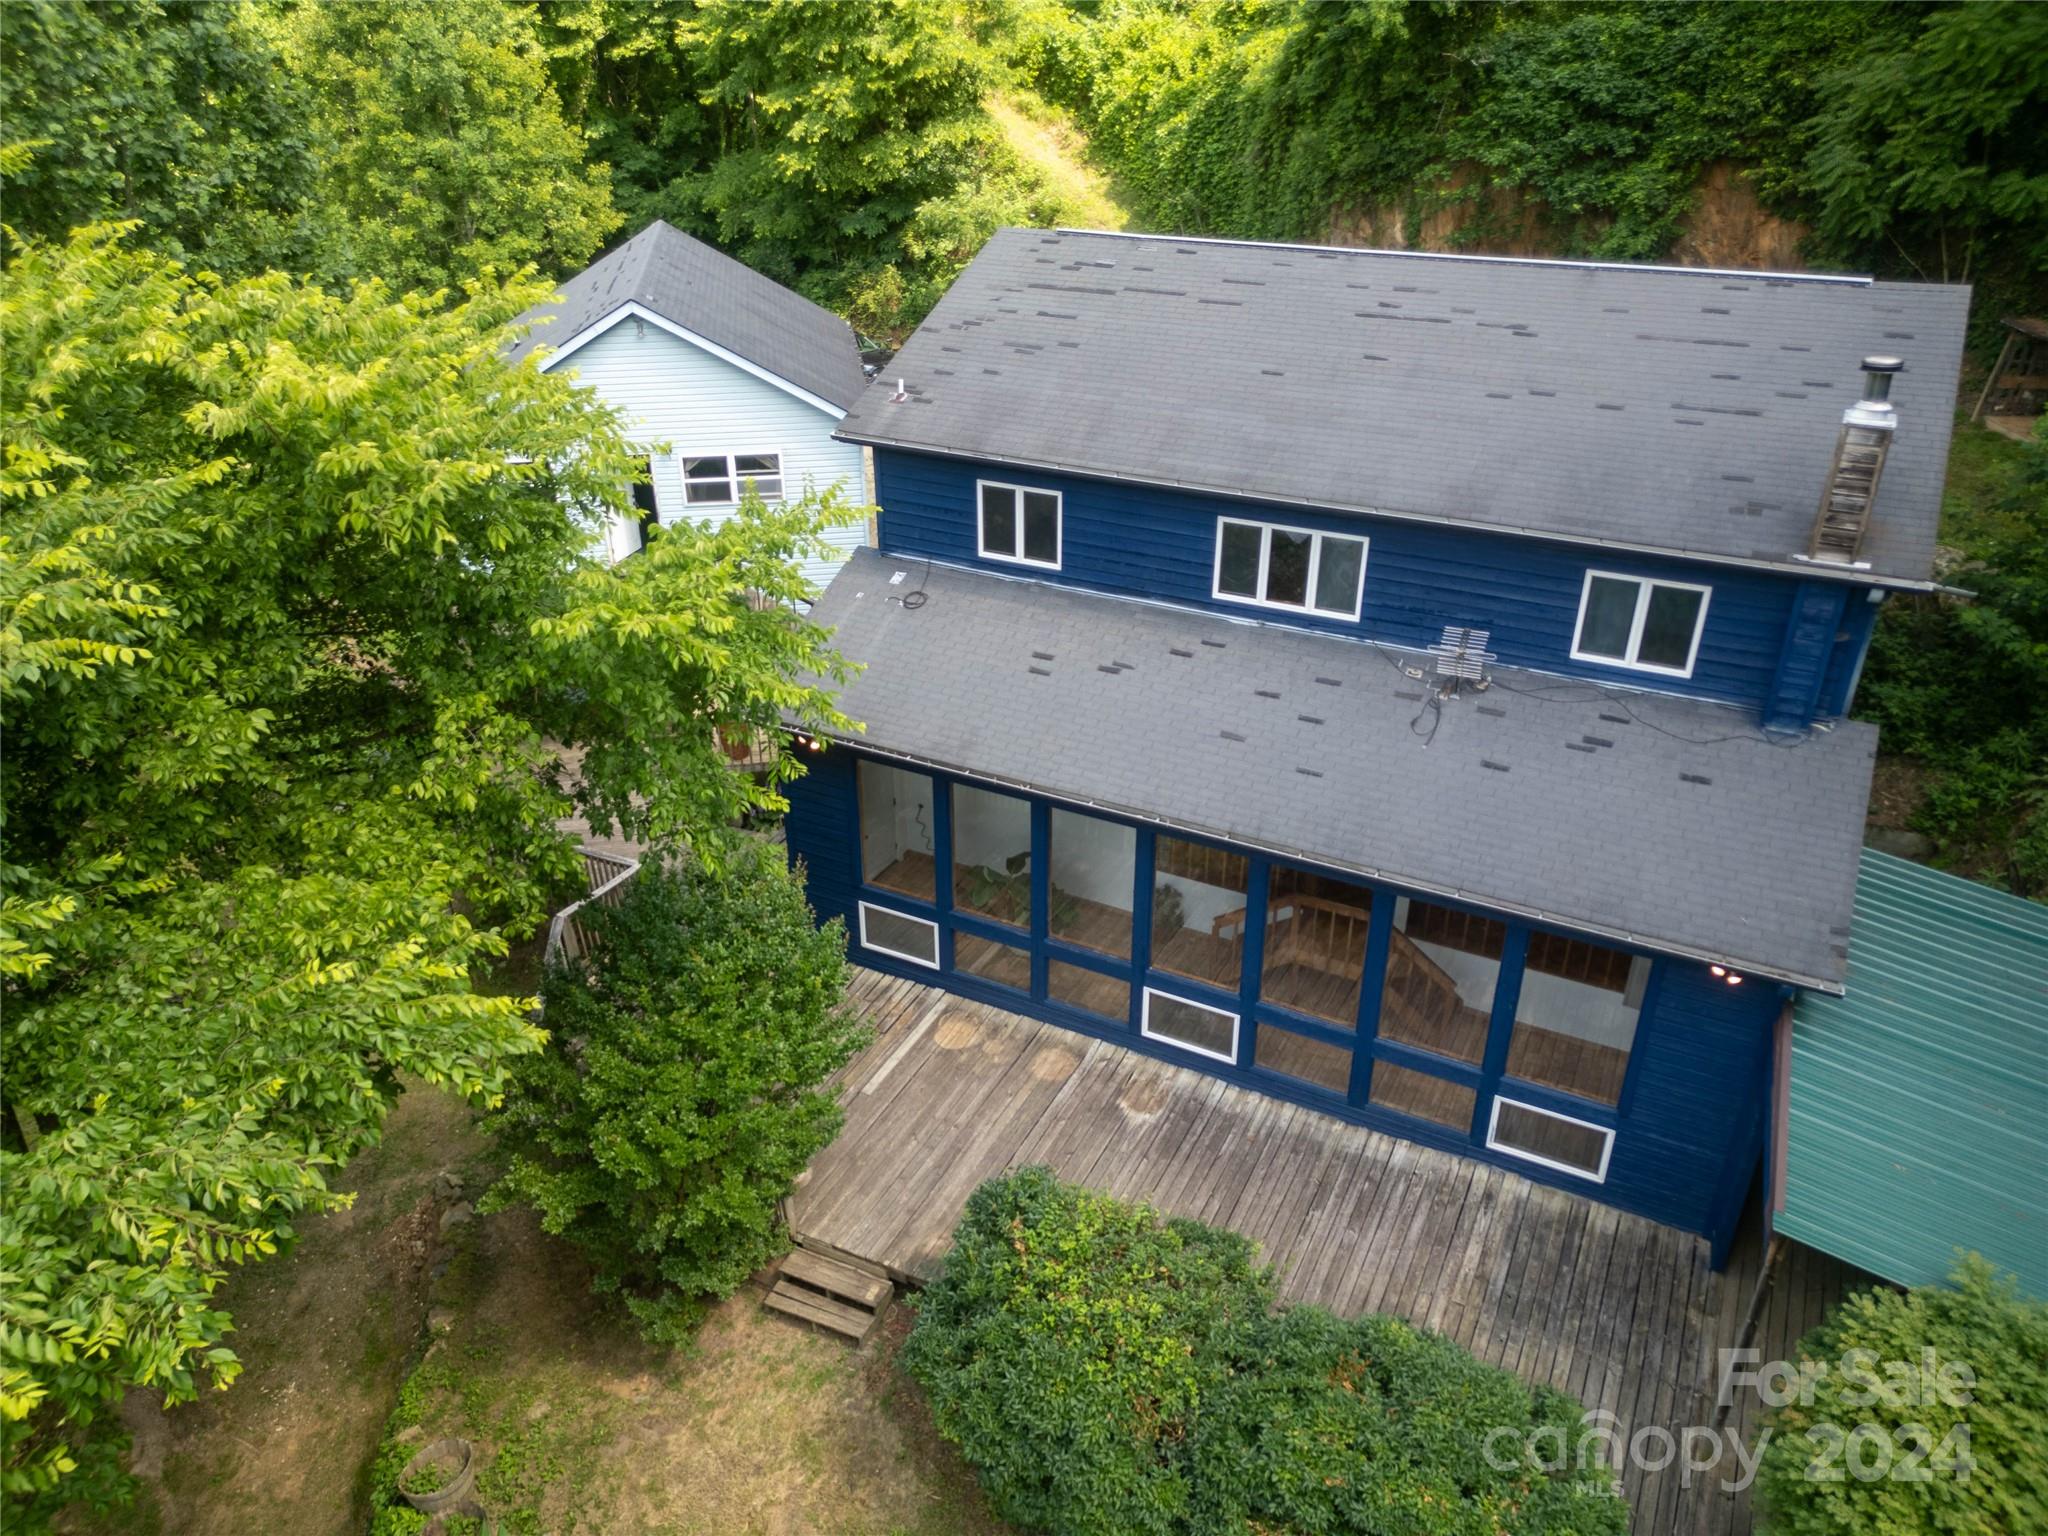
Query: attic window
(1631,621)
(1298,568)
(717,479)
(1019,524)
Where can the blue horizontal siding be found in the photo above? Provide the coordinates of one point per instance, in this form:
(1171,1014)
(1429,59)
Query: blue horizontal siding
(1688,1129)
(1153,542)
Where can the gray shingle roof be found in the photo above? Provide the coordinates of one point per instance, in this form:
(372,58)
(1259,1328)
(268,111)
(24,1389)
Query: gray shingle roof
(1669,823)
(1661,409)
(685,281)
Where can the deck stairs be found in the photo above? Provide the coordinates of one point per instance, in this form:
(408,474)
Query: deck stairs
(830,1291)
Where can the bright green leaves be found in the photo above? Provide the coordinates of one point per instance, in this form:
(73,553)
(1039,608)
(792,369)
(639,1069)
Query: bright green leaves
(691,1097)
(441,145)
(296,628)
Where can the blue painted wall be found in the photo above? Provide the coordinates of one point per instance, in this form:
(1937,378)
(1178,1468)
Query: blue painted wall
(1153,542)
(1689,1127)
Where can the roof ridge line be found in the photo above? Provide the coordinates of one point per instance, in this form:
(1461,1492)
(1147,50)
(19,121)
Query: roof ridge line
(1841,279)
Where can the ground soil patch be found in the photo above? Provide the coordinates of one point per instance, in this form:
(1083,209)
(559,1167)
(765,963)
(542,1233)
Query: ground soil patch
(761,1426)
(324,1334)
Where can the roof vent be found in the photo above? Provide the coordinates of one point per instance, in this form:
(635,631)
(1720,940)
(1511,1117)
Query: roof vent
(1851,490)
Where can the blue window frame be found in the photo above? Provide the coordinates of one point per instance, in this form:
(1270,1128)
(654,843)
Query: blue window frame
(1415,1016)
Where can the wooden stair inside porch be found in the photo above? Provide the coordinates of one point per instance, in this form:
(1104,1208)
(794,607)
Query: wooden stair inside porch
(827,1291)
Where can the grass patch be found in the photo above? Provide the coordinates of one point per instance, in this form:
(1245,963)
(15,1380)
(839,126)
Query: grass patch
(1047,141)
(580,1426)
(1983,473)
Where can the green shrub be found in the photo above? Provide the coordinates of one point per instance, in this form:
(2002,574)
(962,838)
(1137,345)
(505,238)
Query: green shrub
(1933,1459)
(679,1096)
(1109,1373)
(1963,685)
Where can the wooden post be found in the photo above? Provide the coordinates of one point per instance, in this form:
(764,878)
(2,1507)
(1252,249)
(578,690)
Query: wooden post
(1753,1318)
(2004,352)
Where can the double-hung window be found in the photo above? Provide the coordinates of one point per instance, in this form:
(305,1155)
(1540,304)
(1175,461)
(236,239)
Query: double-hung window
(1298,568)
(1632,621)
(1019,524)
(717,479)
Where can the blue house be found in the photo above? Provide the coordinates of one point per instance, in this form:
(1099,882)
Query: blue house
(728,377)
(1409,685)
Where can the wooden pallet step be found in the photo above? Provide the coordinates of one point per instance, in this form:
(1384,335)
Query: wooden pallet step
(820,1311)
(835,1279)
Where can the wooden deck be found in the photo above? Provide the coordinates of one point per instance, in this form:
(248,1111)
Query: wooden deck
(1617,1310)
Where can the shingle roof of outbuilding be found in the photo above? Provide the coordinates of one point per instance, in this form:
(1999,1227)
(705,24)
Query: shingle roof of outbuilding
(706,292)
(1653,408)
(1671,824)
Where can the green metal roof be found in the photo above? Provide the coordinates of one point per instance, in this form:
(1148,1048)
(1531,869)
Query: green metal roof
(1918,1110)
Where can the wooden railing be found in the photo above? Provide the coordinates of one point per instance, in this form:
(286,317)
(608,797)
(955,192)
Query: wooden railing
(1324,935)
(1420,988)
(606,875)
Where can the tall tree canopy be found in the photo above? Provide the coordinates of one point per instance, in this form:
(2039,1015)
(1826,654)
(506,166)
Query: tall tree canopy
(441,143)
(174,113)
(294,619)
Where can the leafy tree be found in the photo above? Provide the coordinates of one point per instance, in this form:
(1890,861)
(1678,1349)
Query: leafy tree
(1962,685)
(1974,1441)
(441,143)
(171,112)
(807,140)
(683,1096)
(1937,146)
(294,620)
(1109,1373)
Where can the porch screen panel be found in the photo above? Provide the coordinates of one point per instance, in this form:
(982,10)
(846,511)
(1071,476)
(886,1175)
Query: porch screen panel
(1107,997)
(1198,911)
(1094,867)
(1316,1062)
(1442,968)
(1315,945)
(896,829)
(1556,1139)
(1210,1031)
(1427,1098)
(992,961)
(1575,1022)
(992,855)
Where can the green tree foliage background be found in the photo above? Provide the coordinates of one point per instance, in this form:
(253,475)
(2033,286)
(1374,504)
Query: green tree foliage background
(702,1025)
(1913,138)
(294,625)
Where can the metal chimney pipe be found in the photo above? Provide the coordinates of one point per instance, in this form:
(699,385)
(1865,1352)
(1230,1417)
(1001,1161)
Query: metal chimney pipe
(1877,381)
(1848,499)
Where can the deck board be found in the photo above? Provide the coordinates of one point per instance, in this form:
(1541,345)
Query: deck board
(1616,1310)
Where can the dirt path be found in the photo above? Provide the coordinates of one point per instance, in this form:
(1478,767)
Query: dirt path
(1056,149)
(324,1335)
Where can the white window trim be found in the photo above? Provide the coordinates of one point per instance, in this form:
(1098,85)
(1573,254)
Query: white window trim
(1494,1144)
(909,917)
(1644,585)
(733,478)
(1315,566)
(1059,525)
(1145,1025)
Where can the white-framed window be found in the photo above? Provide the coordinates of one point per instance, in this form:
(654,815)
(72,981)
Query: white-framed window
(888,932)
(1632,621)
(1270,565)
(1556,1141)
(1196,1027)
(1019,523)
(716,479)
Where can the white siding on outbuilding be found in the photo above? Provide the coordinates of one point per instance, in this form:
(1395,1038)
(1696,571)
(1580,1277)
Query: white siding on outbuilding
(676,393)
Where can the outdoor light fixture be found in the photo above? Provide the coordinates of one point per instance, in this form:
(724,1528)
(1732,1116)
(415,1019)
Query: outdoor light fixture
(1726,975)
